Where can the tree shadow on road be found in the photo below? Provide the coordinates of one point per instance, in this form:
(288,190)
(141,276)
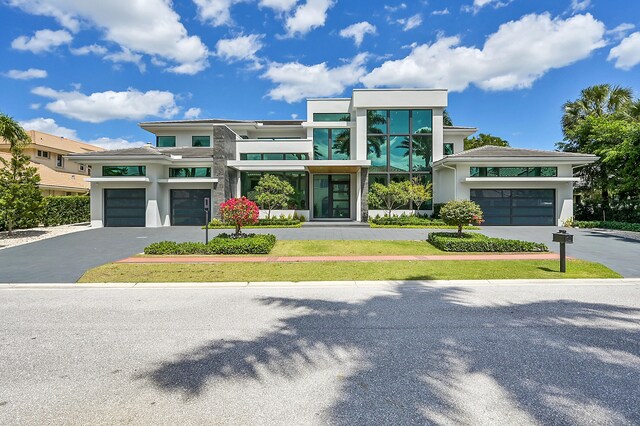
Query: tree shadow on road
(438,355)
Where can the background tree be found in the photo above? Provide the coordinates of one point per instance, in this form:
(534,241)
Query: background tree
(390,197)
(484,139)
(20,196)
(239,212)
(461,213)
(272,193)
(446,118)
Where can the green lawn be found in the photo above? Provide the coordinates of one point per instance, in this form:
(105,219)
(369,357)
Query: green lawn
(338,271)
(352,248)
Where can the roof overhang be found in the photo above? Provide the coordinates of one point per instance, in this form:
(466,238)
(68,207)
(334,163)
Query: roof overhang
(314,166)
(188,180)
(113,179)
(519,179)
(535,160)
(460,131)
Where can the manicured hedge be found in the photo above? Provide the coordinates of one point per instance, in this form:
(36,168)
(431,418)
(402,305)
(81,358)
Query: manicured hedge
(409,222)
(222,244)
(474,242)
(65,210)
(621,226)
(274,222)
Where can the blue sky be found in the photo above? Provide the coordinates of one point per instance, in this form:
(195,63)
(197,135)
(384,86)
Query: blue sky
(93,70)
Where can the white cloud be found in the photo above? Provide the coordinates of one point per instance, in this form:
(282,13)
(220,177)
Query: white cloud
(308,16)
(411,22)
(49,125)
(42,41)
(479,4)
(35,106)
(295,81)
(125,55)
(96,49)
(627,53)
(115,143)
(441,12)
(294,116)
(580,5)
(192,113)
(514,57)
(145,26)
(621,31)
(29,74)
(357,31)
(394,8)
(102,106)
(215,12)
(278,5)
(241,48)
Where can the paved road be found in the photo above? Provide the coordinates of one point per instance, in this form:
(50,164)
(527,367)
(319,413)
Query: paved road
(402,354)
(66,258)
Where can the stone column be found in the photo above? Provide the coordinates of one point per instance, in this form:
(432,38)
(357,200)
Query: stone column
(364,191)
(224,148)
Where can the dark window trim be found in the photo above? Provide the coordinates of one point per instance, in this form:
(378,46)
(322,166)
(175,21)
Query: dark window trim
(330,142)
(201,136)
(142,168)
(172,173)
(284,156)
(482,171)
(165,146)
(316,116)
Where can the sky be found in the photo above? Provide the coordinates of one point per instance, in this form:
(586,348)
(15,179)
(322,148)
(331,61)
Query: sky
(92,70)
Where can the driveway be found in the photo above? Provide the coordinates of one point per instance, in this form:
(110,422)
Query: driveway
(66,258)
(399,354)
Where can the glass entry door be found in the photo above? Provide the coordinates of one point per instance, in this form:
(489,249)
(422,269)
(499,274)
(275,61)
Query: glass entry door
(331,196)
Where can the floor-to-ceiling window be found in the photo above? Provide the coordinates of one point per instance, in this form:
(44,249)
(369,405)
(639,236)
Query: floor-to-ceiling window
(331,144)
(400,146)
(299,180)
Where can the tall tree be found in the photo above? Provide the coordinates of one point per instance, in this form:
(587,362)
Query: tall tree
(272,193)
(447,118)
(484,139)
(20,196)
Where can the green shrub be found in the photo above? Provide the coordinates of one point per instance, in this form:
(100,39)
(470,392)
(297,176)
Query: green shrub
(65,210)
(436,210)
(474,242)
(620,226)
(405,220)
(284,221)
(221,244)
(461,213)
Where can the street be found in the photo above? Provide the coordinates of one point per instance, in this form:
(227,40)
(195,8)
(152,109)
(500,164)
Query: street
(395,353)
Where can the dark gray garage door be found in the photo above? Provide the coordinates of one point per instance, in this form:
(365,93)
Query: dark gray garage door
(187,206)
(516,206)
(124,207)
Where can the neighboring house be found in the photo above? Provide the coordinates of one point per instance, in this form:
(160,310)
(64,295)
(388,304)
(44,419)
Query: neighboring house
(330,159)
(58,176)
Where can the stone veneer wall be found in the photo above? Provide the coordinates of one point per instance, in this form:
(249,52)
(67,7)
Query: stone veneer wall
(364,190)
(224,148)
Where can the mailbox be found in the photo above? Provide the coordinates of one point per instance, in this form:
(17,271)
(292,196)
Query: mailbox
(562,237)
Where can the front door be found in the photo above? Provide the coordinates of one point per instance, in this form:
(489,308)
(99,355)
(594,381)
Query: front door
(331,196)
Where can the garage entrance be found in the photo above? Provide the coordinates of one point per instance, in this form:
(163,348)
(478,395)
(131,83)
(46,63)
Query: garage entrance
(533,207)
(124,207)
(187,207)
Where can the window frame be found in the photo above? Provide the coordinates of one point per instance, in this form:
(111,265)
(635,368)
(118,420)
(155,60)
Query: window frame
(495,171)
(140,167)
(165,146)
(330,141)
(195,171)
(346,117)
(208,137)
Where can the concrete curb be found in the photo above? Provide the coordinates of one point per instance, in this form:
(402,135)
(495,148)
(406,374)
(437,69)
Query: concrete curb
(324,284)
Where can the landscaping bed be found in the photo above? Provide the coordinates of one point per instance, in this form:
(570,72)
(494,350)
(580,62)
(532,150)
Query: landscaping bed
(221,244)
(279,222)
(411,222)
(474,242)
(619,226)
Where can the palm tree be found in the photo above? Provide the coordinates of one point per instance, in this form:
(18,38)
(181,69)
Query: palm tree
(598,101)
(422,147)
(375,142)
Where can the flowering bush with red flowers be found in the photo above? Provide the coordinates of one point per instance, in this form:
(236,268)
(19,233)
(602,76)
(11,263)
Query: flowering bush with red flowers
(239,212)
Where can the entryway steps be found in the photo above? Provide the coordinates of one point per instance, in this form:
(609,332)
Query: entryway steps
(335,224)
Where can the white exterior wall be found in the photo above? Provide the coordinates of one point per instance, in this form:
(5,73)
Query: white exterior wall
(450,188)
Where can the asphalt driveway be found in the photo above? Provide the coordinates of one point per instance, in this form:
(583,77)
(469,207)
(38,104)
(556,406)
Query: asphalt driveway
(66,258)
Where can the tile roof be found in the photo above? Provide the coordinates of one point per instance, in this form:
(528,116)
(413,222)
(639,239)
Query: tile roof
(56,142)
(50,178)
(148,150)
(502,151)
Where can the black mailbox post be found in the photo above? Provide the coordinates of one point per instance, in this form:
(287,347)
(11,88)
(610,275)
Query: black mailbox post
(563,238)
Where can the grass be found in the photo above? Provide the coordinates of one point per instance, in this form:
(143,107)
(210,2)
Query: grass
(352,248)
(339,271)
(297,225)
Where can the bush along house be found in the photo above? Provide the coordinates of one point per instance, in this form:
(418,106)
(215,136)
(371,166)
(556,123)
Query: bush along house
(330,159)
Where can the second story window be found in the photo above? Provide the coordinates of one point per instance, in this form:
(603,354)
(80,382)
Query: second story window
(331,116)
(189,172)
(447,149)
(43,154)
(60,161)
(124,171)
(331,144)
(82,168)
(200,141)
(165,141)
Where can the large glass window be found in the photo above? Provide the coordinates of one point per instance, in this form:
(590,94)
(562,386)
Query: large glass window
(258,157)
(189,172)
(331,116)
(447,149)
(201,141)
(165,141)
(513,171)
(331,144)
(124,170)
(299,180)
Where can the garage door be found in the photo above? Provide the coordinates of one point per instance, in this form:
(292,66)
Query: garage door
(536,207)
(124,207)
(187,206)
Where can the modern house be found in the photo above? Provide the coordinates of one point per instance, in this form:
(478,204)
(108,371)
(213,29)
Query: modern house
(330,159)
(57,175)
